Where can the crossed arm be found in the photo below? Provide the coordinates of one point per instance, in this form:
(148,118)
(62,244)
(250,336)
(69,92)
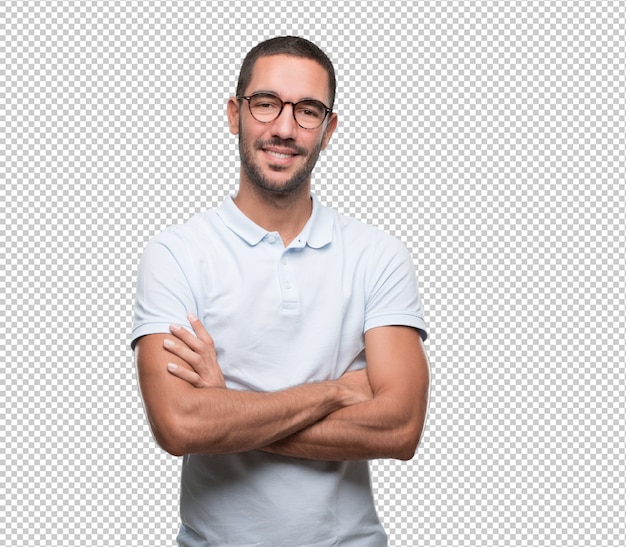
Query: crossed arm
(374,413)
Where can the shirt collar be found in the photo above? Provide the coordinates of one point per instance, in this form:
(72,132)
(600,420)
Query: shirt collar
(317,232)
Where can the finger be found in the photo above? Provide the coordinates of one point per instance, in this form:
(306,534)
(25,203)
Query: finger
(185,374)
(183,351)
(198,328)
(201,340)
(187,337)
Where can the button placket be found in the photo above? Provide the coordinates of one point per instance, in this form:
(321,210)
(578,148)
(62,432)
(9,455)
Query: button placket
(287,283)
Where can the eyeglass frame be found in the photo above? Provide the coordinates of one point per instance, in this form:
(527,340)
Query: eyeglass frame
(282,106)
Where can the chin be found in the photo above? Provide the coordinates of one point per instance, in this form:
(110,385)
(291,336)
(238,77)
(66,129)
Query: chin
(284,186)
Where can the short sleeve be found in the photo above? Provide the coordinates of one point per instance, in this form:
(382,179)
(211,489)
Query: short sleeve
(393,294)
(164,294)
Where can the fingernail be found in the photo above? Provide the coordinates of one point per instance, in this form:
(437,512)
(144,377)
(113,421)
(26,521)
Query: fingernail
(172,366)
(168,343)
(192,317)
(174,327)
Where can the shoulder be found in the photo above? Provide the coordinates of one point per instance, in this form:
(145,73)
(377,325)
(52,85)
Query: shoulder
(367,238)
(192,234)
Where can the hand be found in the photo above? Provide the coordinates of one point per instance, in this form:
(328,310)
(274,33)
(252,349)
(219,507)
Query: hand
(358,384)
(198,352)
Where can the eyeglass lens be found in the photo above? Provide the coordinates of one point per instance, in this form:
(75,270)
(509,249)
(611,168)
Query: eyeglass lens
(308,113)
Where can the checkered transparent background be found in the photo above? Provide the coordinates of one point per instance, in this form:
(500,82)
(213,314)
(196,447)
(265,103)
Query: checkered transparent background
(489,136)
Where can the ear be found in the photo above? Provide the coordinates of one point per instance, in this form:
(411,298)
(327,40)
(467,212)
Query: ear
(330,129)
(232,112)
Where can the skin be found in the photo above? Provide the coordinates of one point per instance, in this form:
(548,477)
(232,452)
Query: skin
(191,411)
(378,412)
(274,192)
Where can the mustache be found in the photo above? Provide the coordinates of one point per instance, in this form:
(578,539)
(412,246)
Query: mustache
(280,143)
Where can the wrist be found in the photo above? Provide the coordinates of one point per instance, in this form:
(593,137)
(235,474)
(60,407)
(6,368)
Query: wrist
(331,396)
(341,394)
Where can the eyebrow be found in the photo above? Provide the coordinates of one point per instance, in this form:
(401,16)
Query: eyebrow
(268,92)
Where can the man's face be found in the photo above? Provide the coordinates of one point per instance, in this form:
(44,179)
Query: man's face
(279,156)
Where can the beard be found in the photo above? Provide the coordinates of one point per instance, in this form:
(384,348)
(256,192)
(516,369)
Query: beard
(264,182)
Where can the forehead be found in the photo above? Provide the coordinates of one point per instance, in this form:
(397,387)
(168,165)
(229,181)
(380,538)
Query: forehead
(292,78)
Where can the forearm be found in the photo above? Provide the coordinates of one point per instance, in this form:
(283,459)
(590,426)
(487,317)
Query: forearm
(223,421)
(361,415)
(191,411)
(387,426)
(368,430)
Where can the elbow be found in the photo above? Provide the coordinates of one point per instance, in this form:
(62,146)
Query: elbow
(410,429)
(406,440)
(167,437)
(180,434)
(172,446)
(170,433)
(404,456)
(176,450)
(404,449)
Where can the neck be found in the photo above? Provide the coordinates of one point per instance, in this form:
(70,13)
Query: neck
(275,212)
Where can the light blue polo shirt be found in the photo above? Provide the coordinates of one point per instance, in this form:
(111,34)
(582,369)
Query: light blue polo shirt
(279,317)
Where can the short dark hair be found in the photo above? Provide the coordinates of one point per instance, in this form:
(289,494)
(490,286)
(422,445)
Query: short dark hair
(286,45)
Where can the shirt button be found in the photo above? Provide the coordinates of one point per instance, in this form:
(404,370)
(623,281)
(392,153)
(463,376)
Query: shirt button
(272,238)
(287,285)
(283,261)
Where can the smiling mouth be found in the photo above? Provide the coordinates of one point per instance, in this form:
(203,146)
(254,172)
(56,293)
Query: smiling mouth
(279,155)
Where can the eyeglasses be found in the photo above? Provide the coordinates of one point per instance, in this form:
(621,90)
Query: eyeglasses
(266,107)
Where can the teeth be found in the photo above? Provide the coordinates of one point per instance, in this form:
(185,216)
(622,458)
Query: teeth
(279,156)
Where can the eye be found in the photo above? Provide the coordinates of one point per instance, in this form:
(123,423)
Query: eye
(265,106)
(310,110)
(265,103)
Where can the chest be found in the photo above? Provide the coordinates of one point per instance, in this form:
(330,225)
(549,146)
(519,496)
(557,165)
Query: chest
(281,317)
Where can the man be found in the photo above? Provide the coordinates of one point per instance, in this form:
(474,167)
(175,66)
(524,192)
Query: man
(278,343)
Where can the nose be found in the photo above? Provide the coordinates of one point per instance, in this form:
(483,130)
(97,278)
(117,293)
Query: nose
(285,126)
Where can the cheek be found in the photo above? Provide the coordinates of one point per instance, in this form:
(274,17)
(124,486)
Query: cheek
(313,142)
(246,137)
